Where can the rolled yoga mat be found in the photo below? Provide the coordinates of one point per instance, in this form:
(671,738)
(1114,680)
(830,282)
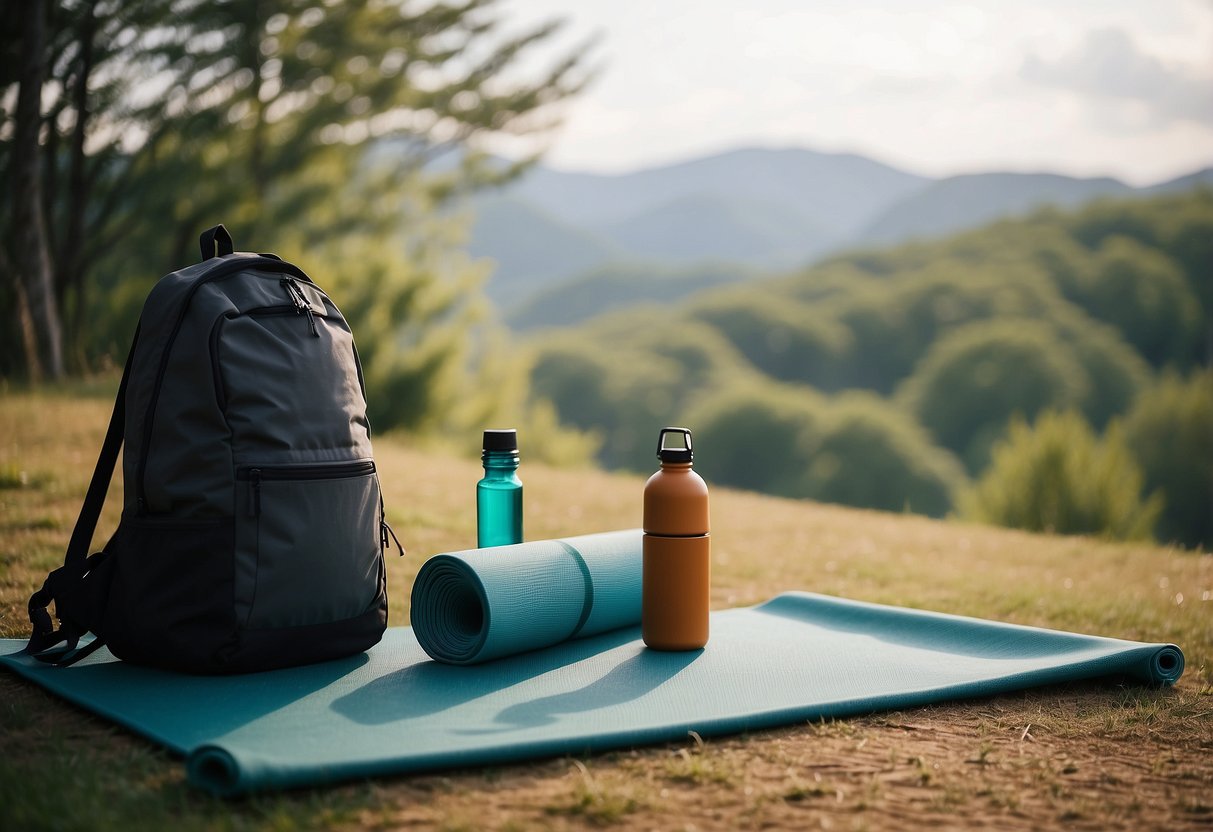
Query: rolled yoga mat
(481,604)
(392,710)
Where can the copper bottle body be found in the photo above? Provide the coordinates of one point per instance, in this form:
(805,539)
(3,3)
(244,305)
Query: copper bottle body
(676,586)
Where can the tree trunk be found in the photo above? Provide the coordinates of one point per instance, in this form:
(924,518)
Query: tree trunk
(25,321)
(31,260)
(69,261)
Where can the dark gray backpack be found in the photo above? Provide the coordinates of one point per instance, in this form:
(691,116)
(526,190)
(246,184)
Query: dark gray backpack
(253,531)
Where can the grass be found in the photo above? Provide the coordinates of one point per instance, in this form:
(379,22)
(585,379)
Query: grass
(1083,755)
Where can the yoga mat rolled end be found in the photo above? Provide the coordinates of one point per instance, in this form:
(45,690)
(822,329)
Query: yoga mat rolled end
(450,613)
(214,770)
(1167,665)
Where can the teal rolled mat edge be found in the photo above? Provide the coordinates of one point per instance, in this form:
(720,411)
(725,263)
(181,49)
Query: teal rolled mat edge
(480,604)
(392,711)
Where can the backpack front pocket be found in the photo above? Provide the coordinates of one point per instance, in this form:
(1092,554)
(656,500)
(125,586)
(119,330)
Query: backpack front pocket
(308,543)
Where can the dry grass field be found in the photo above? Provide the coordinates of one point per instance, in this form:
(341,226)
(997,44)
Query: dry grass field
(1084,756)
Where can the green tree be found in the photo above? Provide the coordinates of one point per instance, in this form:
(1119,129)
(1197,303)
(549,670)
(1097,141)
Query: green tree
(1142,293)
(782,338)
(855,450)
(758,436)
(622,397)
(1116,371)
(894,324)
(703,358)
(313,130)
(1188,240)
(26,260)
(1058,476)
(872,455)
(574,378)
(1180,225)
(65,116)
(1170,431)
(268,90)
(972,380)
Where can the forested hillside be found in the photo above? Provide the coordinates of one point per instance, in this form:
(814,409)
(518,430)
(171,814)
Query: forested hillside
(889,378)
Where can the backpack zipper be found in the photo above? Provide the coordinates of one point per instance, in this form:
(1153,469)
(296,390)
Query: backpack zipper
(302,305)
(256,312)
(226,269)
(326,471)
(254,479)
(254,476)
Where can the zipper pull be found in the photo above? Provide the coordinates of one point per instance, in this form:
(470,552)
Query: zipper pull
(254,492)
(302,305)
(384,531)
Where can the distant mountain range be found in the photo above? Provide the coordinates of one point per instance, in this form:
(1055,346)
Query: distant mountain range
(749,209)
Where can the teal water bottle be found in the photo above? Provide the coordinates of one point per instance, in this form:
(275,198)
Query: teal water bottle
(499,494)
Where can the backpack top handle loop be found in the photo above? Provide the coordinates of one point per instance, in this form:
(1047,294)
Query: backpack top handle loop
(215,242)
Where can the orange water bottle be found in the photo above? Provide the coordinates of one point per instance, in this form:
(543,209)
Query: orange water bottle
(676,585)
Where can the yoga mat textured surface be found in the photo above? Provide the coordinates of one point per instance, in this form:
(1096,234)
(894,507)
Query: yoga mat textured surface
(391,710)
(480,604)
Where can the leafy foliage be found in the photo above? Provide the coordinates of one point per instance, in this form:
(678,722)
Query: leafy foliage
(1142,293)
(1058,476)
(871,454)
(611,287)
(332,134)
(1170,431)
(1059,311)
(856,449)
(781,338)
(974,379)
(758,437)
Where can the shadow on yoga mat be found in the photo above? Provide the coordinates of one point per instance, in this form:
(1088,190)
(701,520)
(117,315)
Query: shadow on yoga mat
(797,657)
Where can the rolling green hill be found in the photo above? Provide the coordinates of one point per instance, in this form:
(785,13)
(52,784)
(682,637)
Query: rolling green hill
(886,378)
(618,286)
(961,202)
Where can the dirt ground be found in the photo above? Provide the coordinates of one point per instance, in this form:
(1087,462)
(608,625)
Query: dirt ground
(978,765)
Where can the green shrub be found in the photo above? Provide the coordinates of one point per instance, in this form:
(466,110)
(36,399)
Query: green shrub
(759,437)
(704,357)
(781,337)
(971,381)
(855,450)
(621,396)
(1059,477)
(1143,293)
(872,455)
(1170,431)
(1117,373)
(574,379)
(1189,241)
(894,325)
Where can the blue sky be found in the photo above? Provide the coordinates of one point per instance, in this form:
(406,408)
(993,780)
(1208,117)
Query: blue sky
(1087,87)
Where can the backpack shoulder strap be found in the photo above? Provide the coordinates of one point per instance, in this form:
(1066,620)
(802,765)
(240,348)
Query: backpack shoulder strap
(64,583)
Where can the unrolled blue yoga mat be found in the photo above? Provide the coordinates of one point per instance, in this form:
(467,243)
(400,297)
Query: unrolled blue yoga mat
(392,710)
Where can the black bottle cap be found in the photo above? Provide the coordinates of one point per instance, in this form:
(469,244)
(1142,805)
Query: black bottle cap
(501,440)
(679,452)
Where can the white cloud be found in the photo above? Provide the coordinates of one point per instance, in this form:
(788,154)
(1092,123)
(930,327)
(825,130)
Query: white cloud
(937,86)
(1109,67)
